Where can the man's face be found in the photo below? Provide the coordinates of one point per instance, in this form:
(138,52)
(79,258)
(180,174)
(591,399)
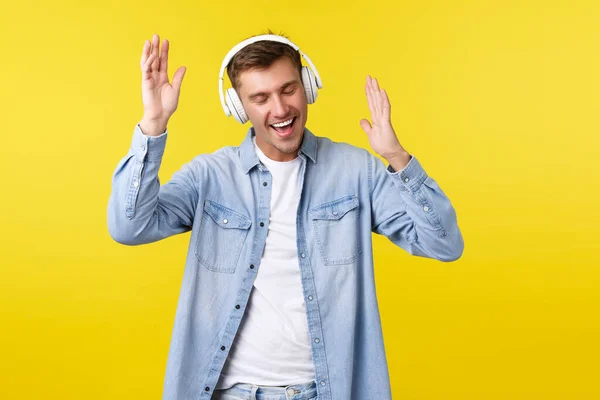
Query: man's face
(275,96)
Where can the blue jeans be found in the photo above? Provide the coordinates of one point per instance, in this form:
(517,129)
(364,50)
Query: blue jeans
(245,391)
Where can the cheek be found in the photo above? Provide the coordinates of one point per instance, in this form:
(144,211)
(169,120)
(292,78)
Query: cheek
(299,103)
(256,116)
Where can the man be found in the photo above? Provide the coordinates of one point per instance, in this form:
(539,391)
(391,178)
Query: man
(278,296)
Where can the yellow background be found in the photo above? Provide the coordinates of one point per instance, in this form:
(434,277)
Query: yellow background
(499,100)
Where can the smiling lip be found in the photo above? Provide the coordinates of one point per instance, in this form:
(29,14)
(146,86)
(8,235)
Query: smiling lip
(287,131)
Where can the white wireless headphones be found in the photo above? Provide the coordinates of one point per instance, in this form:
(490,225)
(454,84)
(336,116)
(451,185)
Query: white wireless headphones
(232,105)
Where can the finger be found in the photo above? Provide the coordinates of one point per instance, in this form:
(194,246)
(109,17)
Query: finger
(385,104)
(147,67)
(368,92)
(178,78)
(164,56)
(370,84)
(373,93)
(375,85)
(376,96)
(145,52)
(366,125)
(155,43)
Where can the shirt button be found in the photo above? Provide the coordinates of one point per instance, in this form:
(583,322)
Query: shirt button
(136,183)
(310,298)
(262,224)
(207,389)
(322,383)
(143,148)
(264,183)
(303,255)
(237,306)
(252,266)
(222,347)
(426,208)
(406,179)
(225,221)
(317,340)
(335,213)
(290,392)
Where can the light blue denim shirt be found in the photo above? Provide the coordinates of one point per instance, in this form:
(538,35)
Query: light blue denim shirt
(223,199)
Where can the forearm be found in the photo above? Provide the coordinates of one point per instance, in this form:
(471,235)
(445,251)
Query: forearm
(136,212)
(419,216)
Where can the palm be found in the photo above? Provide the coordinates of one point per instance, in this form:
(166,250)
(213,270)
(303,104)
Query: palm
(159,97)
(382,137)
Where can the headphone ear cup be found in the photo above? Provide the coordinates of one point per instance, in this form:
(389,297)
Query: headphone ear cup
(310,84)
(235,106)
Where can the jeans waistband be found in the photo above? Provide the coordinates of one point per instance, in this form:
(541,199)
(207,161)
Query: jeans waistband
(302,391)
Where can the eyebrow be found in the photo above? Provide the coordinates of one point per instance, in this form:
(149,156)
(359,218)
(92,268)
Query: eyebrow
(283,87)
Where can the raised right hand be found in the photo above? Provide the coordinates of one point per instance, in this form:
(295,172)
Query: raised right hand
(160,98)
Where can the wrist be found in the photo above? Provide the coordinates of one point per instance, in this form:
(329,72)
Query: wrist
(152,127)
(398,160)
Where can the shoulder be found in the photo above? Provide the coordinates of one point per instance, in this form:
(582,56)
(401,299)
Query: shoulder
(341,150)
(223,159)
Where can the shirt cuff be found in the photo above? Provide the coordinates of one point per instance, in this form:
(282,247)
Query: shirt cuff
(411,177)
(150,147)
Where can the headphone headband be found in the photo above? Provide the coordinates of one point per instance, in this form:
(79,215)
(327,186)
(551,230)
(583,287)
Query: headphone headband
(241,45)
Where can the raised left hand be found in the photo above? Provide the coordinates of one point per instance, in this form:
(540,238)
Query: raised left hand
(382,137)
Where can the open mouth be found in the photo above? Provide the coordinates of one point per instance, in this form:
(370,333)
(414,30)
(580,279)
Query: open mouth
(284,128)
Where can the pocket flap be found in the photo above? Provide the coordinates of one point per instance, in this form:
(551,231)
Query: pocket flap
(335,209)
(226,217)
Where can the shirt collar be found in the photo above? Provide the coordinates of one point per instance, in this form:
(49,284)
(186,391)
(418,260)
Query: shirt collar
(250,159)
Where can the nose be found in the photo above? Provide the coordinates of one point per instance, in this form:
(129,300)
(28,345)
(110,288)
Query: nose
(280,108)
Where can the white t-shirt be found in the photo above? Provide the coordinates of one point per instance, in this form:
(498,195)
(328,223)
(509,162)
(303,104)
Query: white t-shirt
(272,346)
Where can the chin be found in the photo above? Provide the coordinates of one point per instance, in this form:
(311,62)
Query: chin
(290,145)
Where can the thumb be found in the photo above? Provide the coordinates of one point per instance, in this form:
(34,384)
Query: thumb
(366,125)
(178,78)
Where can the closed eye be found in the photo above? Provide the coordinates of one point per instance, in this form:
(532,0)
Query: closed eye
(260,100)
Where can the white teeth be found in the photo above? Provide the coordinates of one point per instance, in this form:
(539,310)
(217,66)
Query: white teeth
(282,124)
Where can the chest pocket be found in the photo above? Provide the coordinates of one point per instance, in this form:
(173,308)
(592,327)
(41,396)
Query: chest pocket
(221,237)
(336,230)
